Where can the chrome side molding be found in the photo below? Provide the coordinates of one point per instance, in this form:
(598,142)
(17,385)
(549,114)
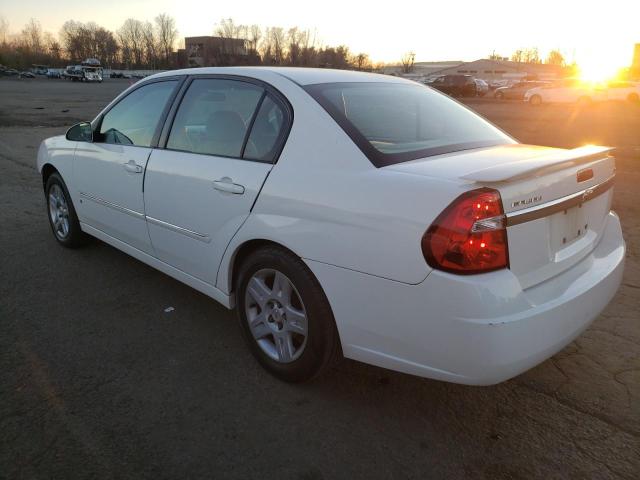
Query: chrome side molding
(203,237)
(141,216)
(113,206)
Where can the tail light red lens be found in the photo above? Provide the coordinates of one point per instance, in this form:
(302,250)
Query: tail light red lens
(469,236)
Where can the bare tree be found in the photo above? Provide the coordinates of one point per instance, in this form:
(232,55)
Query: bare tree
(32,37)
(4,29)
(531,55)
(151,48)
(555,57)
(518,56)
(362,62)
(407,61)
(52,46)
(294,39)
(88,40)
(253,38)
(526,55)
(131,37)
(273,46)
(166,34)
(229,32)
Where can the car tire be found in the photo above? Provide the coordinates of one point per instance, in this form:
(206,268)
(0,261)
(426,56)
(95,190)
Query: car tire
(285,316)
(62,214)
(535,100)
(633,98)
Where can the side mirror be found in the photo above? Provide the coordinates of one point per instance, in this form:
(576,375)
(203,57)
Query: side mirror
(81,132)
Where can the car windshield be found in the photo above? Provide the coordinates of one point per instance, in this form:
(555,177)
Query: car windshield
(397,122)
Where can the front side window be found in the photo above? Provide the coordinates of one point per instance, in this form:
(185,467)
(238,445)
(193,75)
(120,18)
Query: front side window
(214,117)
(397,122)
(134,120)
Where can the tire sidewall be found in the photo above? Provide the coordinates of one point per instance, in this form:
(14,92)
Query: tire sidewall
(320,323)
(75,236)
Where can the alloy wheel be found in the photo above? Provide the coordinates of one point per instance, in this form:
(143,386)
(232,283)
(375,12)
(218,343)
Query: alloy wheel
(58,212)
(276,315)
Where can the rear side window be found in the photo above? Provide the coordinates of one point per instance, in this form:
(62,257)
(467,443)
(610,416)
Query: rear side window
(214,117)
(266,132)
(396,122)
(134,119)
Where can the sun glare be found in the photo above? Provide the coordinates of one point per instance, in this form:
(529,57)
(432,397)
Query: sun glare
(598,70)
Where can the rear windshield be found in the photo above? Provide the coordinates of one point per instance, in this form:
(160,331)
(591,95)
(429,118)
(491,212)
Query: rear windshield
(397,122)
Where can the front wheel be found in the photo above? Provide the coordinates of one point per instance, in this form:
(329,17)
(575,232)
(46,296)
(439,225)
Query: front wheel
(285,316)
(535,100)
(62,215)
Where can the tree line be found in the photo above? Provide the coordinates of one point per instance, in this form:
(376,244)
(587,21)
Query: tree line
(255,45)
(532,55)
(136,44)
(152,45)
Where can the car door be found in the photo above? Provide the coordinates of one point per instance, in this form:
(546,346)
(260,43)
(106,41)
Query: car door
(221,145)
(109,171)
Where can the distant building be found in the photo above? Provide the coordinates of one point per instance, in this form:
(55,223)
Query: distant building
(487,69)
(421,69)
(212,51)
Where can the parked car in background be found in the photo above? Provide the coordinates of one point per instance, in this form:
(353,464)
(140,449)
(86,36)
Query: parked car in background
(53,73)
(619,90)
(482,87)
(387,223)
(9,72)
(564,91)
(26,75)
(39,69)
(517,90)
(455,85)
(504,82)
(86,72)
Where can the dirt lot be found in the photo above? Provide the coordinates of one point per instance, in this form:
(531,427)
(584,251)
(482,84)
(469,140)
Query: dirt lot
(96,380)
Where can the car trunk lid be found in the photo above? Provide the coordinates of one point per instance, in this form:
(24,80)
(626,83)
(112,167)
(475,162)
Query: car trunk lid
(556,200)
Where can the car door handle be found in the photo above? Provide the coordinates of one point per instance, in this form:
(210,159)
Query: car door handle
(132,167)
(225,184)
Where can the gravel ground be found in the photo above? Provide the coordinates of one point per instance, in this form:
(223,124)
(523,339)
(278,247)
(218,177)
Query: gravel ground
(97,380)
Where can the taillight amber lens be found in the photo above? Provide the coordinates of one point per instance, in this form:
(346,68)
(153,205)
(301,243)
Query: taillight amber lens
(469,236)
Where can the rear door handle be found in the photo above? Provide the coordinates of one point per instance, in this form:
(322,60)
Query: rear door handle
(225,184)
(132,167)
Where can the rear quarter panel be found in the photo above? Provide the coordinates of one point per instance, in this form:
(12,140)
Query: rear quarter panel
(326,202)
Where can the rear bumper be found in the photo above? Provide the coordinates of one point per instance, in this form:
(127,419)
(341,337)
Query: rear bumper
(477,330)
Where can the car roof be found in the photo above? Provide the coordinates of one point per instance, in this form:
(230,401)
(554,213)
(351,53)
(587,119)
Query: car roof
(301,76)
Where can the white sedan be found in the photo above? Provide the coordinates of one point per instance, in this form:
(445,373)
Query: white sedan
(346,214)
(565,91)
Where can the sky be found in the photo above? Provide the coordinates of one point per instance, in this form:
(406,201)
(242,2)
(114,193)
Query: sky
(589,32)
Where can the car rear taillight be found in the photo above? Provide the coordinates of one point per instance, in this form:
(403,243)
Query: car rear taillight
(469,236)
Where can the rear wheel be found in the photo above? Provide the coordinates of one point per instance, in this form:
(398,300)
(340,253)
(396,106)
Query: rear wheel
(62,215)
(535,100)
(285,316)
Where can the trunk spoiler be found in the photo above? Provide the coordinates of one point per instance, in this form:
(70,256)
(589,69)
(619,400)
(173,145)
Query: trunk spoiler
(536,165)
